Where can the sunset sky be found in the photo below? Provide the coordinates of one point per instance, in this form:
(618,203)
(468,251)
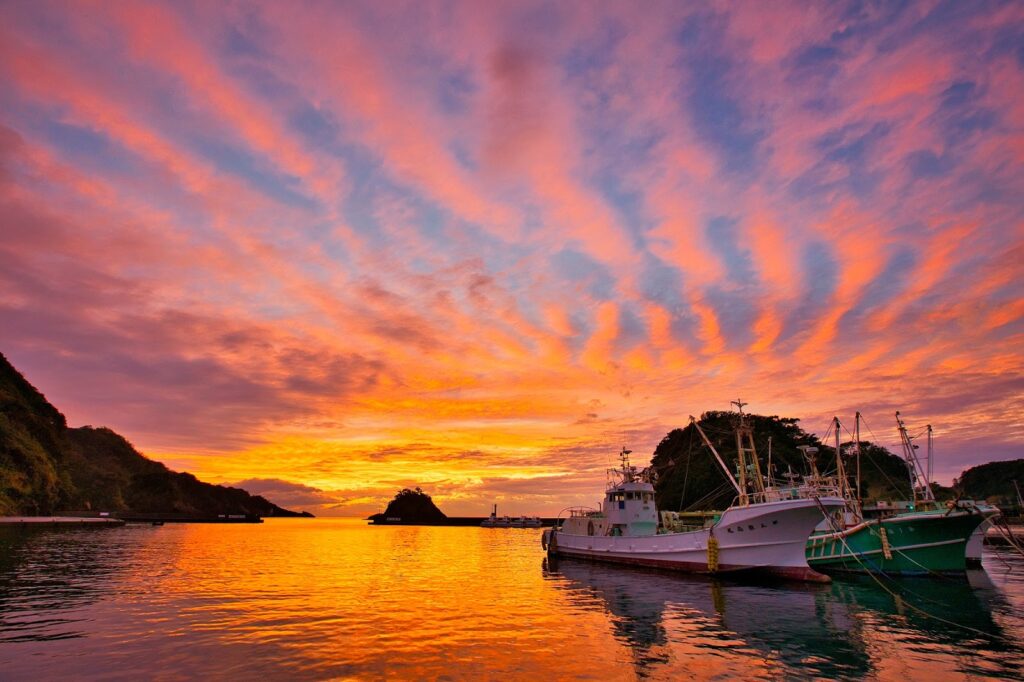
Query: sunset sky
(327,250)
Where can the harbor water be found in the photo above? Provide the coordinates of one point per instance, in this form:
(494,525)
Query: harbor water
(332,598)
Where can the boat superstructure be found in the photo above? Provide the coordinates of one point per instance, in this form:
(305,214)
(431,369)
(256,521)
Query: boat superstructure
(765,530)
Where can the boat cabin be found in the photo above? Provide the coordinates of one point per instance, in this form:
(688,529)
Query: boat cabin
(629,508)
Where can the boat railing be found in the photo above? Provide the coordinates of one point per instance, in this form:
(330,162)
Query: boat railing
(796,492)
(576,512)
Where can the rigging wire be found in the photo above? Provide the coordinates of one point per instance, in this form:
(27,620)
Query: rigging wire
(686,472)
(927,614)
(876,441)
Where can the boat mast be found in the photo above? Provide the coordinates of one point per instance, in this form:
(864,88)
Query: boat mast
(745,437)
(728,474)
(856,436)
(627,471)
(771,480)
(930,454)
(913,465)
(844,485)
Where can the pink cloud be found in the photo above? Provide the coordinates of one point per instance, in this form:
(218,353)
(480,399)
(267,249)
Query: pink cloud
(455,234)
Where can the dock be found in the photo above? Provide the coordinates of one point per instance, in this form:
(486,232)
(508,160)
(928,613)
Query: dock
(450,521)
(108,519)
(47,521)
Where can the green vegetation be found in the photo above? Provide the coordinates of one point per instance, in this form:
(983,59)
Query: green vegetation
(689,477)
(45,467)
(411,506)
(994,481)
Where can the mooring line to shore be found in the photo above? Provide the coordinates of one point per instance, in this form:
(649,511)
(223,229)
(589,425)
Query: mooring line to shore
(898,596)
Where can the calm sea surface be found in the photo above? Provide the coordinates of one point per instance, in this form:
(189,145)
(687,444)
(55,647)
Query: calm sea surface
(324,598)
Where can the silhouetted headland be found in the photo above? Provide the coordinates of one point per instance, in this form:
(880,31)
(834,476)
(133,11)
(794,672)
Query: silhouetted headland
(48,469)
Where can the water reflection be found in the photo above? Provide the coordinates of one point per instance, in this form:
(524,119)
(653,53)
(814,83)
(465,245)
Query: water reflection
(323,599)
(48,578)
(666,617)
(852,628)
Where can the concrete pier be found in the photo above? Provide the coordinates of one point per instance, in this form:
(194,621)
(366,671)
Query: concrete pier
(36,521)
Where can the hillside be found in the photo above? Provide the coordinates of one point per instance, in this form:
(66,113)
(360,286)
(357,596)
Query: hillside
(994,481)
(46,467)
(689,477)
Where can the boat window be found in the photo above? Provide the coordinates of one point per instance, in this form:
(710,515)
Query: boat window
(629,495)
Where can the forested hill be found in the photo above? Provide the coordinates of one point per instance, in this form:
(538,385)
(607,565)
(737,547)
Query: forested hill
(690,478)
(994,481)
(46,467)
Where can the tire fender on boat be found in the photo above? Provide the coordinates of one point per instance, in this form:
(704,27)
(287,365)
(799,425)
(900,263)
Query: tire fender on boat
(712,553)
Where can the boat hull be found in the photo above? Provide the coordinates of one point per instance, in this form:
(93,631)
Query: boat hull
(919,543)
(768,538)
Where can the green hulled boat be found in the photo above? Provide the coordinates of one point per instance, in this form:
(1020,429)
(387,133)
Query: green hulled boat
(912,543)
(930,538)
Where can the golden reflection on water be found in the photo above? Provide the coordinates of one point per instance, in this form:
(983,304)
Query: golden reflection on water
(330,598)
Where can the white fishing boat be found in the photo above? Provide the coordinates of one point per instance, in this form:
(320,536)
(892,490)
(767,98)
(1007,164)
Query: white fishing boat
(764,531)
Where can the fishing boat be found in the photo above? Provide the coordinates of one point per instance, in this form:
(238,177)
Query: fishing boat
(765,531)
(495,521)
(928,538)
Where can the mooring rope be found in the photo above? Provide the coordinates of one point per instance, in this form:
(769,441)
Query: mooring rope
(891,592)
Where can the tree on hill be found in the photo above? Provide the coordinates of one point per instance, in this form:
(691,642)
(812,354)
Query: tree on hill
(993,481)
(690,478)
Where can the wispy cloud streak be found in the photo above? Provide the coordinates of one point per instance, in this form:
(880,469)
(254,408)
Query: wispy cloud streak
(478,247)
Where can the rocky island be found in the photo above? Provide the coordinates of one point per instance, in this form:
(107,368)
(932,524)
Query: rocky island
(411,507)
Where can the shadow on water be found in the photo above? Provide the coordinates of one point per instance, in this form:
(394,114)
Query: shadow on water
(830,631)
(49,575)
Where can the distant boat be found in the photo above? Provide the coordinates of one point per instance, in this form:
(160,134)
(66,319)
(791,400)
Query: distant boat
(928,538)
(765,531)
(495,521)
